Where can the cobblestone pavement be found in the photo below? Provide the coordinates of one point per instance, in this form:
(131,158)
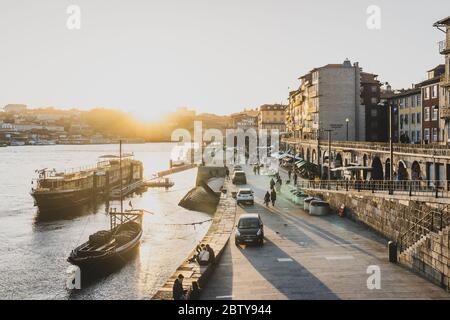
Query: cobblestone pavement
(306,257)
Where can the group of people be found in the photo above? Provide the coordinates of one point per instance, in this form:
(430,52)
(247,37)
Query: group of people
(294,176)
(179,293)
(271,195)
(205,255)
(257,169)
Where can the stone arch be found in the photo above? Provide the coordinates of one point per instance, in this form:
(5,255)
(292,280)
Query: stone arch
(402,172)
(416,173)
(377,169)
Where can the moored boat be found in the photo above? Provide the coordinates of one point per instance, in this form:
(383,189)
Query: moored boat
(108,248)
(54,191)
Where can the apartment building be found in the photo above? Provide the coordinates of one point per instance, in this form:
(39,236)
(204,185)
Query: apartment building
(247,119)
(376,117)
(408,106)
(444,84)
(328,98)
(272,116)
(431,130)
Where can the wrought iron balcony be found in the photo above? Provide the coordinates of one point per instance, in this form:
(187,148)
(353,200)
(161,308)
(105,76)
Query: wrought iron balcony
(444,48)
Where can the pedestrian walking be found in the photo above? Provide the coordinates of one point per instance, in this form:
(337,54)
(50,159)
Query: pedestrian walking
(272,183)
(278,185)
(267,198)
(295,178)
(289,174)
(273,197)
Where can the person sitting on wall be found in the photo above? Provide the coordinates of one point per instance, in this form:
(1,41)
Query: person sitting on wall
(212,256)
(198,249)
(203,256)
(194,293)
(178,292)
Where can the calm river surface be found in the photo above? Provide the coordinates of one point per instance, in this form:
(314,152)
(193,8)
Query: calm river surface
(33,252)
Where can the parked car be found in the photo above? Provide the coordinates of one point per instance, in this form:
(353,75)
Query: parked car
(307,201)
(239,177)
(319,208)
(237,168)
(245,195)
(250,229)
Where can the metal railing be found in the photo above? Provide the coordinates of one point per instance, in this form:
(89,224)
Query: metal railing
(427,188)
(436,148)
(432,220)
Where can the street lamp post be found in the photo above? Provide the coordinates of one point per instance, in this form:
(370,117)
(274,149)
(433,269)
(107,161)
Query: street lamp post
(347,120)
(329,155)
(391,149)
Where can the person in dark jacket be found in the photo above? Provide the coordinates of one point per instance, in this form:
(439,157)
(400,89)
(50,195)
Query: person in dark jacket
(295,178)
(194,294)
(212,256)
(267,199)
(272,183)
(178,292)
(273,197)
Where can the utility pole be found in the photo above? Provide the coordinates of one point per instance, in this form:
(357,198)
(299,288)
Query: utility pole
(329,155)
(347,120)
(391,149)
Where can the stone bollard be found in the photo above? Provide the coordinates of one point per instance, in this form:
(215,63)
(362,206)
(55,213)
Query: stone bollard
(392,251)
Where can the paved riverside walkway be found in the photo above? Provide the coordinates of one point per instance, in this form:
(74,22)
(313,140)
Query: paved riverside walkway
(307,257)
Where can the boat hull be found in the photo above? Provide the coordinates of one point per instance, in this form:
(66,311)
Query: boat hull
(52,201)
(109,261)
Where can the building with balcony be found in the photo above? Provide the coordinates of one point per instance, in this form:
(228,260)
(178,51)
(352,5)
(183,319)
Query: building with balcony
(272,117)
(444,49)
(331,96)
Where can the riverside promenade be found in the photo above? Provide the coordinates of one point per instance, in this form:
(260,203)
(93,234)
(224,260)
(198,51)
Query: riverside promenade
(306,257)
(217,237)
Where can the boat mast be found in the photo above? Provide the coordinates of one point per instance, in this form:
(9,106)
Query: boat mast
(120,164)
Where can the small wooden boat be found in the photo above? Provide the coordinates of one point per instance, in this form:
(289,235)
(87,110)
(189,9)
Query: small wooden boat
(109,247)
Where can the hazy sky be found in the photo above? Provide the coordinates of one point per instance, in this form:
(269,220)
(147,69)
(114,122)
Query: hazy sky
(149,57)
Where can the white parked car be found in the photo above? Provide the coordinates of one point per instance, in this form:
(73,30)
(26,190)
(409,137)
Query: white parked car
(245,196)
(319,208)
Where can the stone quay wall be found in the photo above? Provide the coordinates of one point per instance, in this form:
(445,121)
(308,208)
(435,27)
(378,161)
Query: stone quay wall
(391,218)
(217,237)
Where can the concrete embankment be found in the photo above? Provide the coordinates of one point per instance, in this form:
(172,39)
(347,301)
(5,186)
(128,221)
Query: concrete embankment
(217,237)
(174,170)
(204,197)
(392,218)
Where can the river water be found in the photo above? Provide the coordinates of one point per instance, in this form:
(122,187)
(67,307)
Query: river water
(33,251)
